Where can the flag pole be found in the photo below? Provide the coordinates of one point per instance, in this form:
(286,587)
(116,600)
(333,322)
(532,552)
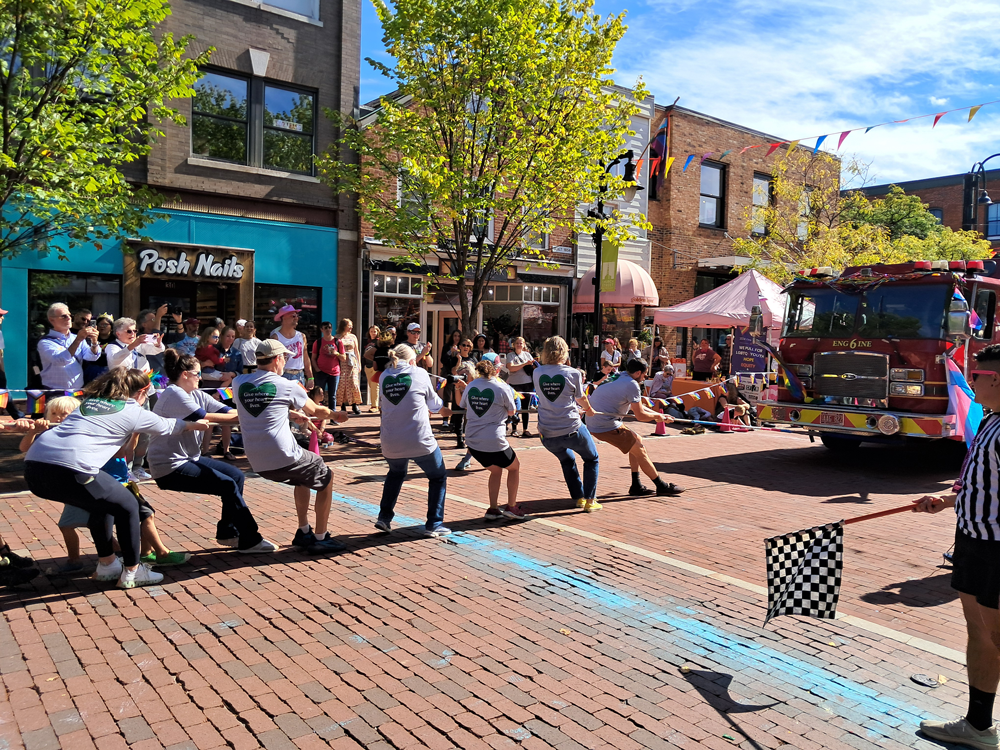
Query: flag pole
(881,513)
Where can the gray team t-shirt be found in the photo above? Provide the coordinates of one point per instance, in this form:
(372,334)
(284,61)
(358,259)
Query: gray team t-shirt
(486,403)
(520,377)
(407,394)
(558,387)
(262,401)
(167,453)
(615,397)
(89,437)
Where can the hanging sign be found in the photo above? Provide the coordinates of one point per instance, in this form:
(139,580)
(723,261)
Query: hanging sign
(609,266)
(748,355)
(204,264)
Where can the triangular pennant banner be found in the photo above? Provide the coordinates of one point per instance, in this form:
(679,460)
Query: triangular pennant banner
(792,145)
(705,156)
(774,147)
(842,137)
(973,110)
(667,167)
(687,163)
(937,117)
(725,154)
(819,142)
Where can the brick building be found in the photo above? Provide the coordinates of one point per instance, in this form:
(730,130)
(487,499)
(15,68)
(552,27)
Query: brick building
(246,217)
(954,199)
(696,212)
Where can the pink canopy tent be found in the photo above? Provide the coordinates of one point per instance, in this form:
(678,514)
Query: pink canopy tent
(633,286)
(728,306)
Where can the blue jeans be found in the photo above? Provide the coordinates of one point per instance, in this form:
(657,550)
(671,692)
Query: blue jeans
(562,447)
(432,465)
(207,476)
(329,384)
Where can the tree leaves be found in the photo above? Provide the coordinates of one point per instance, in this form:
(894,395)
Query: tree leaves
(505,110)
(83,84)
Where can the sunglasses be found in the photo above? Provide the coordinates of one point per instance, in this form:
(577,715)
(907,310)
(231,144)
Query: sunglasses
(130,330)
(976,373)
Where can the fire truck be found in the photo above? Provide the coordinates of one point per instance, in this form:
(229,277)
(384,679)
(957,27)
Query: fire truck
(869,349)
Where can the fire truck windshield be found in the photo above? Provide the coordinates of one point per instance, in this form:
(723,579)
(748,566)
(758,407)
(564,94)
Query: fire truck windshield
(906,311)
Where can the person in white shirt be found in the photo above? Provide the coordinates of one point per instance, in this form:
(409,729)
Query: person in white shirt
(611,353)
(64,465)
(488,402)
(265,400)
(294,341)
(407,397)
(519,366)
(129,349)
(61,352)
(176,463)
(247,343)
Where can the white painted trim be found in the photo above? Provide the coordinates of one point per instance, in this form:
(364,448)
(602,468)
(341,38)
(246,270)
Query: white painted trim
(195,161)
(279,12)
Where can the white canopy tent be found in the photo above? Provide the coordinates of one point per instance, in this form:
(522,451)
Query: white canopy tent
(728,306)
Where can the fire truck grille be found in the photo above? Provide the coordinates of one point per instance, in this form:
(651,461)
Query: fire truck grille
(851,375)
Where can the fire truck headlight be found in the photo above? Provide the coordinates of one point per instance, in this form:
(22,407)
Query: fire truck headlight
(888,424)
(902,373)
(906,389)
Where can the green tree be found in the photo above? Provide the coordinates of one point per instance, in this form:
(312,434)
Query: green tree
(505,110)
(82,85)
(809,223)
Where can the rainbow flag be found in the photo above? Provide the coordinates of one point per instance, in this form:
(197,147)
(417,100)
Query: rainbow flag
(35,403)
(974,320)
(4,399)
(225,393)
(961,403)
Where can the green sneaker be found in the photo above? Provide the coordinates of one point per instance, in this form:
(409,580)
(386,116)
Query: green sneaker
(171,558)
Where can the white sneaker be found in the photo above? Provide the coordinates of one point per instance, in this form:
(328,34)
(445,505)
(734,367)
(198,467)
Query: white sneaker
(260,548)
(140,474)
(230,542)
(141,576)
(110,572)
(961,732)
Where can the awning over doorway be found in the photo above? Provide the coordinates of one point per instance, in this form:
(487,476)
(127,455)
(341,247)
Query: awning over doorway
(728,305)
(633,286)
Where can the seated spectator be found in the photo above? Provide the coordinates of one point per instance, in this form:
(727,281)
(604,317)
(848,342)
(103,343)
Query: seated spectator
(213,362)
(663,381)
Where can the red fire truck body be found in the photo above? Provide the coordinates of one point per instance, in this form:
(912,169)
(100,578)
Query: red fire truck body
(870,349)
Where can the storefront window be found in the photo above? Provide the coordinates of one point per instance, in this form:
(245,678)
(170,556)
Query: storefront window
(95,292)
(269,298)
(396,311)
(619,323)
(538,323)
(405,286)
(501,321)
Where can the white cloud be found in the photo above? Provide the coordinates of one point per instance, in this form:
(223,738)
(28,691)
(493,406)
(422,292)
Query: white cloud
(797,68)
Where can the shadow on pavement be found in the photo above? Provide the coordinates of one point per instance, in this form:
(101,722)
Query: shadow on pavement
(714,689)
(921,592)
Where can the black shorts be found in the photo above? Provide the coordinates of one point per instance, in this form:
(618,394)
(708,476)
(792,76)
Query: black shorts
(309,471)
(976,570)
(503,459)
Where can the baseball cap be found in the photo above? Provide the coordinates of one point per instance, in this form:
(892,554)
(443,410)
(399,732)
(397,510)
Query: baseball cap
(609,341)
(284,311)
(490,356)
(413,327)
(192,320)
(240,323)
(270,348)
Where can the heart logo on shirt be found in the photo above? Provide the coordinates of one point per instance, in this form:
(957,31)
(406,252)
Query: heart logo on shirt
(552,387)
(395,387)
(480,401)
(257,398)
(100,407)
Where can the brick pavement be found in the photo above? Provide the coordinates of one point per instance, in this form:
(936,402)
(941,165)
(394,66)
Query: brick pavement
(503,635)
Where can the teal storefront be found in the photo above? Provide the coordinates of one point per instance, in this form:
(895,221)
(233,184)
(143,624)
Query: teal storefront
(229,267)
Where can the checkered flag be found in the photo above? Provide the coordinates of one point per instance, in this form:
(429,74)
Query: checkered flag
(803,572)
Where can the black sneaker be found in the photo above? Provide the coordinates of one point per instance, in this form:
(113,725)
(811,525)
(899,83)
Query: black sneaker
(304,540)
(668,489)
(16,561)
(637,490)
(325,546)
(16,576)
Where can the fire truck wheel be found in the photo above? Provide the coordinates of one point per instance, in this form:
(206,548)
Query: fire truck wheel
(840,444)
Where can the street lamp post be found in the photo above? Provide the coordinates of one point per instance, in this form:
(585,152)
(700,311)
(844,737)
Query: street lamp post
(973,195)
(631,188)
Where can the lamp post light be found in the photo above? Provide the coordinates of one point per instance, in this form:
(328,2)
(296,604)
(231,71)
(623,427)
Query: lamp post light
(974,194)
(631,188)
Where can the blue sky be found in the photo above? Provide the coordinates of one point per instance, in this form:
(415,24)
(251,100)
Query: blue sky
(798,68)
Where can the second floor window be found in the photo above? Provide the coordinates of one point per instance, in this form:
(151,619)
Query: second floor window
(805,213)
(253,122)
(762,196)
(993,220)
(937,213)
(711,211)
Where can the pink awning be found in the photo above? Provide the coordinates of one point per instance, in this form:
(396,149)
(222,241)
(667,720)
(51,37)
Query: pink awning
(633,286)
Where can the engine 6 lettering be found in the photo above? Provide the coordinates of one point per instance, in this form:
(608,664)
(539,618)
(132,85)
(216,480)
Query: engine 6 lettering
(205,265)
(852,344)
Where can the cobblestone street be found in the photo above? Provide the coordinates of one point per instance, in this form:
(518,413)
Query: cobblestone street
(569,630)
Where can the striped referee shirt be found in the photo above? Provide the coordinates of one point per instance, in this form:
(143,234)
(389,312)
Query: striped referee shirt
(978,502)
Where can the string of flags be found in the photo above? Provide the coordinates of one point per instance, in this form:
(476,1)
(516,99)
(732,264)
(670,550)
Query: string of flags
(659,164)
(36,399)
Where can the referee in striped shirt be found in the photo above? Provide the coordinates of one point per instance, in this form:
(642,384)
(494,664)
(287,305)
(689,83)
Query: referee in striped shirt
(976,560)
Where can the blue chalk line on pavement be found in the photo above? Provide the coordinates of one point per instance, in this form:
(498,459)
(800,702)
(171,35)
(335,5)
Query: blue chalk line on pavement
(866,707)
